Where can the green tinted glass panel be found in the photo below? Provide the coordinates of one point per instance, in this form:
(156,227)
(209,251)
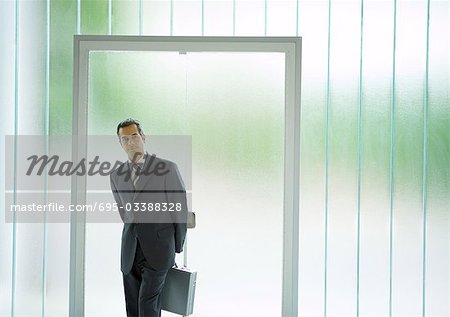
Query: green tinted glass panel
(233,106)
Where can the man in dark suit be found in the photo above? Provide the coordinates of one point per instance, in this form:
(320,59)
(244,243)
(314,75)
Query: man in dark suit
(151,200)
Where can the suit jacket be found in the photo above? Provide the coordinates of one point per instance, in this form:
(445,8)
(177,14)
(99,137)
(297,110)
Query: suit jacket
(161,233)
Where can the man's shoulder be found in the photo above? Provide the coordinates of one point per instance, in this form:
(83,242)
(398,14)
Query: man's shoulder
(158,160)
(162,166)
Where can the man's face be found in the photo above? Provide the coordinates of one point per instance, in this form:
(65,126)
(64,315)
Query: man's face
(132,142)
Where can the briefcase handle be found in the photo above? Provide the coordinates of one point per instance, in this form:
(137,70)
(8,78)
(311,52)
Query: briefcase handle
(190,224)
(191,220)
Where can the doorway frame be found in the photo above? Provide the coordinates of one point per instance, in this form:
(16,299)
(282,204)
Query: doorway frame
(290,46)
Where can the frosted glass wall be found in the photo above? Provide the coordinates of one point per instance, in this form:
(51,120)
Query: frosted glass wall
(34,257)
(365,197)
(375,146)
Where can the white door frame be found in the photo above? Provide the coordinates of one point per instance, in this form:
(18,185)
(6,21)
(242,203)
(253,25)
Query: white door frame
(290,46)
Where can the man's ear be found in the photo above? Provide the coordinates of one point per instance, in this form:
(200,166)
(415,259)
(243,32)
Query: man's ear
(143,137)
(120,142)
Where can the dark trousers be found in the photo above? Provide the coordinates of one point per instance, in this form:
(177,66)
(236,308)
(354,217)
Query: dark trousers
(143,286)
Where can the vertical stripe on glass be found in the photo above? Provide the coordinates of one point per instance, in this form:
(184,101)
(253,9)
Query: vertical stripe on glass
(171,17)
(46,133)
(327,159)
(425,156)
(203,17)
(234,17)
(359,157)
(78,16)
(391,162)
(109,17)
(16,103)
(265,17)
(140,17)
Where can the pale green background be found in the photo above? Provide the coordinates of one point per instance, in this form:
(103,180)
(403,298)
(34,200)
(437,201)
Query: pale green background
(34,258)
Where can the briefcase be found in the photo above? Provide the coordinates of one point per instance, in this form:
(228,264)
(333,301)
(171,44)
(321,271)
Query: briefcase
(178,293)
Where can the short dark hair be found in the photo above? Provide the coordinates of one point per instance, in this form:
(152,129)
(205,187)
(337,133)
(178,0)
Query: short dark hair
(127,122)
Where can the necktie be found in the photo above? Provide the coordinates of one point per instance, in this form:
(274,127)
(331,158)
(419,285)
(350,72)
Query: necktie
(137,167)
